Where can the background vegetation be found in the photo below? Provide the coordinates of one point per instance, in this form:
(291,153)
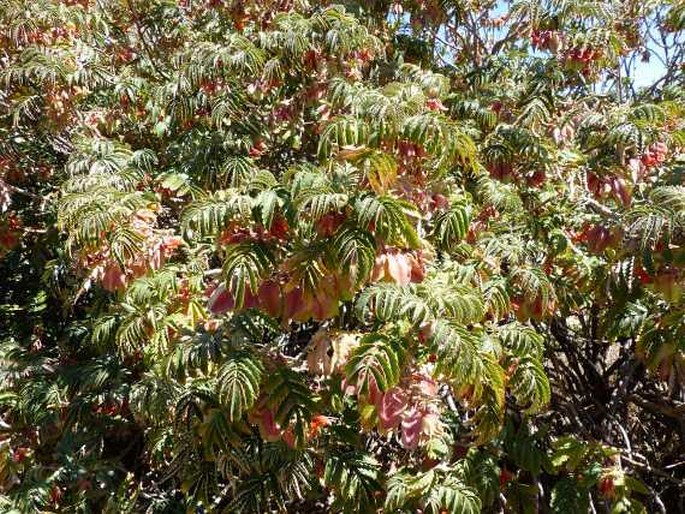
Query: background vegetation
(285,256)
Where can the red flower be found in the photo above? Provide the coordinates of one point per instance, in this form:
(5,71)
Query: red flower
(622,191)
(375,396)
(418,268)
(257,149)
(439,201)
(289,437)
(19,455)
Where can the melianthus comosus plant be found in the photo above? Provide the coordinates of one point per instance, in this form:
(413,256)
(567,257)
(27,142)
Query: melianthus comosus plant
(277,258)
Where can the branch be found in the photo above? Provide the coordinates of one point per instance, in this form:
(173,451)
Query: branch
(141,35)
(658,472)
(24,192)
(672,411)
(601,208)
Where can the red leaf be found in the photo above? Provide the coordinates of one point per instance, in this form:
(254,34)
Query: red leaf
(270,299)
(221,300)
(114,278)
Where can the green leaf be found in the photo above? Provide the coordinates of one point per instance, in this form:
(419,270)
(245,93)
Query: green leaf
(568,498)
(451,226)
(238,381)
(209,215)
(521,340)
(404,487)
(355,252)
(378,357)
(291,400)
(530,384)
(354,476)
(453,496)
(266,202)
(245,266)
(217,433)
(387,217)
(390,302)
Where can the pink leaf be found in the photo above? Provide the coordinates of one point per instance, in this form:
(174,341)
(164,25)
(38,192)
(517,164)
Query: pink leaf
(392,406)
(411,429)
(114,278)
(379,268)
(398,269)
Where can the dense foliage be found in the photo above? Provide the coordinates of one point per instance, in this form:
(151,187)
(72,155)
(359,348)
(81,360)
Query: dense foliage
(286,256)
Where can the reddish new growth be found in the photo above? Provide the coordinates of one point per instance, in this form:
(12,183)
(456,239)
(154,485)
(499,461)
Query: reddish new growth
(547,40)
(411,409)
(156,248)
(402,268)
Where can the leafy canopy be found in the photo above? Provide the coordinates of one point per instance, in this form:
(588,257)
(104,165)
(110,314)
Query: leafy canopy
(289,256)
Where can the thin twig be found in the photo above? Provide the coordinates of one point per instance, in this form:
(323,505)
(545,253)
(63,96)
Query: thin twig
(24,192)
(655,471)
(141,35)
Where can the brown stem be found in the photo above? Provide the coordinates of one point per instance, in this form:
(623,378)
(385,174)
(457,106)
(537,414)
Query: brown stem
(141,35)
